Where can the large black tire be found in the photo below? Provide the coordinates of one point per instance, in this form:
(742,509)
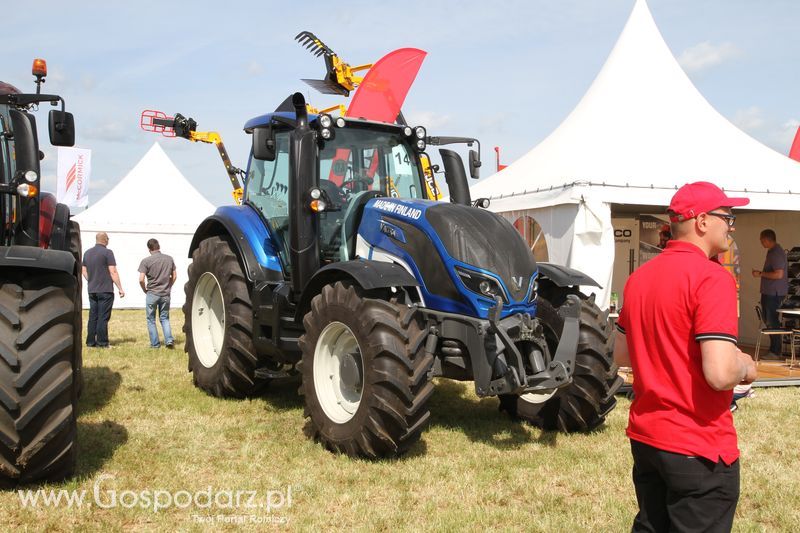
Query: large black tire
(584,404)
(222,359)
(392,409)
(37,396)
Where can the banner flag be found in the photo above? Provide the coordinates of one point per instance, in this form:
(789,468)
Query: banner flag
(74,170)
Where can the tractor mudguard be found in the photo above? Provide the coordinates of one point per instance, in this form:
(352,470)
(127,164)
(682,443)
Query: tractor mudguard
(368,274)
(564,276)
(248,233)
(21,257)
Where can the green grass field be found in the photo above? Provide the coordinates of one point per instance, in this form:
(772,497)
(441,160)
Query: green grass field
(144,428)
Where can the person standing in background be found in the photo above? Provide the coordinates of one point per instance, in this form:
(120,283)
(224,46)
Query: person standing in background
(100,271)
(160,274)
(774,288)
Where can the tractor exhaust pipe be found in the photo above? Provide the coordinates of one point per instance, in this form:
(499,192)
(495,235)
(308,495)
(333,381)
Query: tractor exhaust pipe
(300,110)
(303,223)
(456,177)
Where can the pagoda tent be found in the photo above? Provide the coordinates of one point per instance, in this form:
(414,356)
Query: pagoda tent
(154,200)
(641,131)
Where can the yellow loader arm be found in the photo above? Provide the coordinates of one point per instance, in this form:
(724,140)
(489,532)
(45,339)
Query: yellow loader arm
(186,128)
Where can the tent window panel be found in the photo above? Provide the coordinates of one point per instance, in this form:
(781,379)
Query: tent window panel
(533,234)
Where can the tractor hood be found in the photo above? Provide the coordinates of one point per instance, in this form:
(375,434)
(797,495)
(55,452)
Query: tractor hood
(451,249)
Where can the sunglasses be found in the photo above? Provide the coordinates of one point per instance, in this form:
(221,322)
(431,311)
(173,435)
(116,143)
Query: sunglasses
(730,220)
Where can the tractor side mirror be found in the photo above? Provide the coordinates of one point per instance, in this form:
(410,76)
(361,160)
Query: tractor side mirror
(474,165)
(264,144)
(62,128)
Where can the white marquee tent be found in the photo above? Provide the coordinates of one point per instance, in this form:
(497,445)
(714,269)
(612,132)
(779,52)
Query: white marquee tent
(153,200)
(641,131)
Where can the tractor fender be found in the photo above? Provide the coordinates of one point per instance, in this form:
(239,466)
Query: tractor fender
(24,257)
(368,274)
(564,276)
(253,243)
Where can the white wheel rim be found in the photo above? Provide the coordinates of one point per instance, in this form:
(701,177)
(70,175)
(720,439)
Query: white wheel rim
(208,320)
(537,397)
(338,372)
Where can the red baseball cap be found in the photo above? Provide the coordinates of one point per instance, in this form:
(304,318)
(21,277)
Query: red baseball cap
(700,197)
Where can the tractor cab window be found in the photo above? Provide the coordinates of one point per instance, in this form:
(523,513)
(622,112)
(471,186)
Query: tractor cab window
(356,165)
(359,160)
(267,190)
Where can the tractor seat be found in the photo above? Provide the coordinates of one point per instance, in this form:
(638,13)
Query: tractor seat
(351,221)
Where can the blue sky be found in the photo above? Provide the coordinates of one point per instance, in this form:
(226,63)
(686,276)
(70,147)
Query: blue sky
(505,72)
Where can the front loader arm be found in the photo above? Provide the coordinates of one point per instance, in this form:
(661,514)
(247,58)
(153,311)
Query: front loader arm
(186,128)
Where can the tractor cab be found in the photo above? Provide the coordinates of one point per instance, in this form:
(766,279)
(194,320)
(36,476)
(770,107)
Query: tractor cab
(21,200)
(355,161)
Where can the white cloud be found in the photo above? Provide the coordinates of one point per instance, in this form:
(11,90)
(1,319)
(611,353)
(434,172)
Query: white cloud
(791,125)
(254,68)
(706,55)
(88,82)
(750,119)
(496,122)
(111,131)
(56,76)
(430,119)
(784,135)
(778,136)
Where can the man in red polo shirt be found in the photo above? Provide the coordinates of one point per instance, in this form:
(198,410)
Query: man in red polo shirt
(678,331)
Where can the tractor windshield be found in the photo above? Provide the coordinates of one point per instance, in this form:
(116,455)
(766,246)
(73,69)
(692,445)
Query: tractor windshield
(358,159)
(359,163)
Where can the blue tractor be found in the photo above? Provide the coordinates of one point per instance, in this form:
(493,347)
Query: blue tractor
(339,266)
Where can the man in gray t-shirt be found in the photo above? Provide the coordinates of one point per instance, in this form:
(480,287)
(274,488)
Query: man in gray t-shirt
(158,270)
(100,271)
(774,287)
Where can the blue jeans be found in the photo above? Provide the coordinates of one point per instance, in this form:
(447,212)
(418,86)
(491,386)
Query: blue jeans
(769,305)
(99,314)
(155,303)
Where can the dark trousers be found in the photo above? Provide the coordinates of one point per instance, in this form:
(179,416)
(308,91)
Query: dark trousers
(769,305)
(99,314)
(682,493)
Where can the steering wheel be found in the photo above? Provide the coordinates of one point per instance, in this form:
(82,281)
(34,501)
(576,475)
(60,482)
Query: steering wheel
(336,194)
(358,182)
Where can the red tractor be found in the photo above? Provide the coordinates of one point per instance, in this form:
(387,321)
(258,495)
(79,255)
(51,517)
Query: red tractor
(40,298)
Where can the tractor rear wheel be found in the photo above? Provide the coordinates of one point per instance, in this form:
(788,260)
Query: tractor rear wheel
(584,404)
(219,323)
(37,390)
(364,373)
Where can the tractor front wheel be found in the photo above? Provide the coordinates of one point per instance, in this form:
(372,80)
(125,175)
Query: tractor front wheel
(364,373)
(584,404)
(219,323)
